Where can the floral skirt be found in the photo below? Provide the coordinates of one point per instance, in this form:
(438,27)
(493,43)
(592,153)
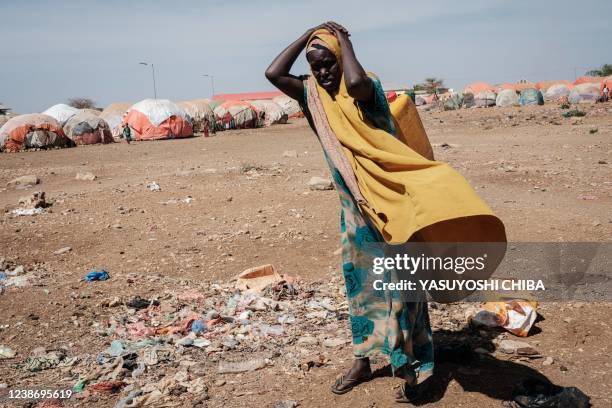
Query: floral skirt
(381,322)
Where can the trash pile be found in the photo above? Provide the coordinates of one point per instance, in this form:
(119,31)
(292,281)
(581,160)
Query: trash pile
(173,346)
(13,275)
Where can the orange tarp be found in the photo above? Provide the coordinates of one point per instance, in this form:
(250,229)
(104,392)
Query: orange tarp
(21,126)
(173,127)
(588,79)
(477,87)
(543,85)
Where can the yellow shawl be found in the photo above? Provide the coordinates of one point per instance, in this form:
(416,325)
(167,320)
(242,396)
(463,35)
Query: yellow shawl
(408,195)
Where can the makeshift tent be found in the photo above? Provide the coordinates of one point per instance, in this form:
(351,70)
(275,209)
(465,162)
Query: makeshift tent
(87,128)
(478,87)
(557,91)
(113,115)
(214,103)
(154,119)
(289,105)
(507,97)
(201,115)
(485,98)
(61,112)
(584,93)
(521,85)
(236,115)
(531,96)
(33,130)
(420,100)
(588,80)
(544,85)
(273,113)
(455,101)
(468,100)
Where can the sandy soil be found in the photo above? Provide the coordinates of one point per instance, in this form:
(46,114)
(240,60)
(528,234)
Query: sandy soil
(234,201)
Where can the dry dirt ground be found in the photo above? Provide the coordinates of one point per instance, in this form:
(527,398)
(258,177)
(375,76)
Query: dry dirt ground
(235,200)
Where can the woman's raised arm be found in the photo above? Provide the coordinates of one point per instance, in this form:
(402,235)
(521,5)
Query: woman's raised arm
(278,71)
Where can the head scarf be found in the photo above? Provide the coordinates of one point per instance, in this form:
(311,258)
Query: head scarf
(394,181)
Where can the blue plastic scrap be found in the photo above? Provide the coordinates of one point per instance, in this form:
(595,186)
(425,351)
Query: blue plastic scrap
(97,276)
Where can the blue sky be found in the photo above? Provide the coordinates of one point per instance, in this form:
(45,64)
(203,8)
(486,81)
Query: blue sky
(54,50)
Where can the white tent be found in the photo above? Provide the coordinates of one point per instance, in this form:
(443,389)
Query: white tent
(507,97)
(61,112)
(273,112)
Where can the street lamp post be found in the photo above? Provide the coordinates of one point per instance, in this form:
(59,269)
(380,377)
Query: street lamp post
(212,82)
(153,72)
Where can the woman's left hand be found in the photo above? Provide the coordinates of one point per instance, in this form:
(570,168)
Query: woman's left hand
(338,30)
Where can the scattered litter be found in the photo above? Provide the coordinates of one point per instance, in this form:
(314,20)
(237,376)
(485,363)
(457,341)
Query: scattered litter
(27,211)
(535,393)
(139,303)
(153,186)
(6,352)
(40,362)
(108,387)
(256,279)
(517,316)
(93,276)
(34,200)
(198,326)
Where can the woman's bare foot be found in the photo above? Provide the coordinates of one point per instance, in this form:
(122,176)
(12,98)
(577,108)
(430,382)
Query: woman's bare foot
(360,372)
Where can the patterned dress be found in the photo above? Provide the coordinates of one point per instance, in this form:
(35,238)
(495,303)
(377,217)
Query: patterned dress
(380,321)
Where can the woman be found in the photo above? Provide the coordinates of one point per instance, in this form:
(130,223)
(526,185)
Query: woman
(390,192)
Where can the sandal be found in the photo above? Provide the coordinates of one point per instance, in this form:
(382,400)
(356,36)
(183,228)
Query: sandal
(349,383)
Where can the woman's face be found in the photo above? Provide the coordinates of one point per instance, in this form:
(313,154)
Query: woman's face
(325,68)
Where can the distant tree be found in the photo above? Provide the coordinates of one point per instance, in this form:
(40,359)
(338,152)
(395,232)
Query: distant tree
(82,103)
(430,85)
(604,71)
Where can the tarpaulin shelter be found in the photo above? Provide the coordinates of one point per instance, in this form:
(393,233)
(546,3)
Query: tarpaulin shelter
(468,100)
(236,115)
(544,85)
(557,91)
(420,100)
(588,80)
(507,97)
(585,93)
(455,101)
(201,114)
(485,98)
(61,112)
(154,119)
(290,106)
(87,128)
(478,87)
(273,113)
(531,96)
(113,115)
(33,130)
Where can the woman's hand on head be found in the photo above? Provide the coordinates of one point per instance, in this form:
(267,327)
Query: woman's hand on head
(338,30)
